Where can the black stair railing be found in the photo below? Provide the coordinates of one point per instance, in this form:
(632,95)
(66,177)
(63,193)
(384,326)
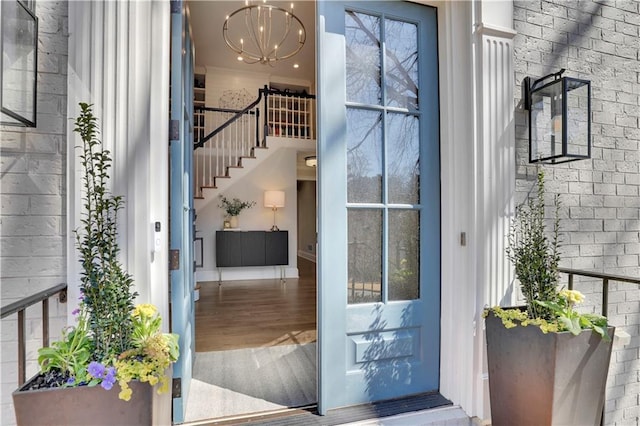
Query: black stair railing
(237,114)
(238,132)
(20,308)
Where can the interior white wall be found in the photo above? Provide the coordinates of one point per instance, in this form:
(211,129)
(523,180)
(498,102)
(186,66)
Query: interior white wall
(219,80)
(307,219)
(277,172)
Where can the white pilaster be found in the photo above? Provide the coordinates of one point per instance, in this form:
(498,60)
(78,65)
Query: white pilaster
(495,173)
(119,61)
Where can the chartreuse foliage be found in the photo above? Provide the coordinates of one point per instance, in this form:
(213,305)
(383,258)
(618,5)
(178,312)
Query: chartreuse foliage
(152,354)
(571,320)
(535,256)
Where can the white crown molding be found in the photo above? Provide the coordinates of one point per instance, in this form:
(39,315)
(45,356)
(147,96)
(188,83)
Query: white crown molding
(495,31)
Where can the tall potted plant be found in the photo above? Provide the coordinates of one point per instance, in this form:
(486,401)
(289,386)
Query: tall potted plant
(547,362)
(113,344)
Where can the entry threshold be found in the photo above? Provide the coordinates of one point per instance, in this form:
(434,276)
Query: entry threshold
(308,416)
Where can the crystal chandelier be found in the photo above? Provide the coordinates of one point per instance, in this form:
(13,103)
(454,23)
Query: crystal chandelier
(268,34)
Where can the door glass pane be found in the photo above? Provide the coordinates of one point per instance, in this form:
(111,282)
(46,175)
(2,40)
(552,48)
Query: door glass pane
(401,75)
(403,169)
(404,254)
(364,156)
(362,35)
(365,255)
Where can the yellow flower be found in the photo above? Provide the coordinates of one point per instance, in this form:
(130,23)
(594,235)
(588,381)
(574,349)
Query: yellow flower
(125,393)
(164,385)
(573,296)
(145,310)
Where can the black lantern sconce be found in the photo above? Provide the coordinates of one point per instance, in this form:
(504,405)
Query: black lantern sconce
(19,63)
(559,118)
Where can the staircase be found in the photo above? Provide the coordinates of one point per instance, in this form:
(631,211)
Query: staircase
(237,139)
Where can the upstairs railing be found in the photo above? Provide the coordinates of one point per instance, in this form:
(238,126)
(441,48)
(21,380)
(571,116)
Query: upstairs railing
(20,308)
(232,135)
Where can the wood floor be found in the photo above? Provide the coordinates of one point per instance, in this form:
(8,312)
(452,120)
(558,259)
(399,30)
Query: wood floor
(248,314)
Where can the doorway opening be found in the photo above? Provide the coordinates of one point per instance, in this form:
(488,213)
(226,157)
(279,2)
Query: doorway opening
(255,346)
(255,326)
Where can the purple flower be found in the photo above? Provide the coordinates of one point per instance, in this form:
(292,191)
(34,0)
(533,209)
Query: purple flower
(76,311)
(110,374)
(71,381)
(109,378)
(96,369)
(106,385)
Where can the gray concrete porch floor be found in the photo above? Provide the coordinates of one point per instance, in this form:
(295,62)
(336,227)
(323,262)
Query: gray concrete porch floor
(420,410)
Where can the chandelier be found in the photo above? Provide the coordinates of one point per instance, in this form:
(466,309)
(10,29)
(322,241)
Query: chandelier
(268,34)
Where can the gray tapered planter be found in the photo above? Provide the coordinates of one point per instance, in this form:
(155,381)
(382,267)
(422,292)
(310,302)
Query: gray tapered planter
(542,379)
(92,406)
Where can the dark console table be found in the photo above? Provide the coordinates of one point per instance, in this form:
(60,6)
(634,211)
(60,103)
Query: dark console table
(252,248)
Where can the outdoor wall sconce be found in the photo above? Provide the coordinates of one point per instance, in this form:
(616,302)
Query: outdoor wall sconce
(559,118)
(18,61)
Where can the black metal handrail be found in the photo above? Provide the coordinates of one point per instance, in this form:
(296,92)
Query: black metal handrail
(20,307)
(238,113)
(606,278)
(229,110)
(235,117)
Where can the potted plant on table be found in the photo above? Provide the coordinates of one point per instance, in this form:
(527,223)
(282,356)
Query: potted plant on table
(233,208)
(547,362)
(113,343)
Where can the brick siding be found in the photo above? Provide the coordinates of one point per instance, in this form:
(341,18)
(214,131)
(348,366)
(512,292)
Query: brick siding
(597,41)
(33,237)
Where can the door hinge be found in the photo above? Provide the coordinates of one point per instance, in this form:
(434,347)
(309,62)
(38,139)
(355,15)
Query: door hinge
(174,260)
(176,388)
(174,130)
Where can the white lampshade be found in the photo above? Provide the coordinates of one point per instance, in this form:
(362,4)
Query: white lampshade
(274,199)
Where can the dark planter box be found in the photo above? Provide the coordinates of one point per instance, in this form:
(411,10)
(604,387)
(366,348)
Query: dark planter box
(545,379)
(92,406)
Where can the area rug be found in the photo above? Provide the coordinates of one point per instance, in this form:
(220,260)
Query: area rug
(242,381)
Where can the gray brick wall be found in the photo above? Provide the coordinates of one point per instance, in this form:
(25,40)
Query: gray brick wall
(33,237)
(598,41)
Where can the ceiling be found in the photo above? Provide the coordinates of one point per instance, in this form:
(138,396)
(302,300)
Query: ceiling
(207,18)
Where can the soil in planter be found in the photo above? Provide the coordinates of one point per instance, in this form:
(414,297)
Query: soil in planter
(50,379)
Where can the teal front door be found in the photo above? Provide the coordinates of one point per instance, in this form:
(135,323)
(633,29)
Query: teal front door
(181,204)
(379,201)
